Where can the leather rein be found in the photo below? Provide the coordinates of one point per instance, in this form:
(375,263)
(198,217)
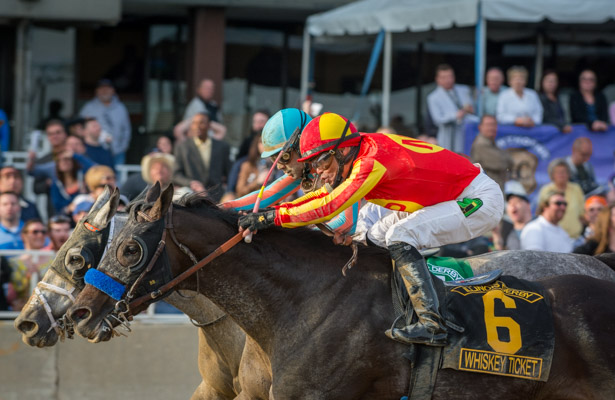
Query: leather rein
(125,306)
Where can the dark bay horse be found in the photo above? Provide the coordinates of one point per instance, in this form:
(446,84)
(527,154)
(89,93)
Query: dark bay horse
(322,334)
(220,344)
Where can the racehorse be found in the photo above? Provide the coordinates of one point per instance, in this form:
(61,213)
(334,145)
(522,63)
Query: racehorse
(323,334)
(41,321)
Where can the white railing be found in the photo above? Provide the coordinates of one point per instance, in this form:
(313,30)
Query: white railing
(150,316)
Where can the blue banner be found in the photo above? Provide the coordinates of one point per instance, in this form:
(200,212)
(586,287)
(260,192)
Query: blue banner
(534,148)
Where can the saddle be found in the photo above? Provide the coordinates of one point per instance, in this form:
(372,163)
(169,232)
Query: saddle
(497,325)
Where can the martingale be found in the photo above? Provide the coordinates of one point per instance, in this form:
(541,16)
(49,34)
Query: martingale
(508,329)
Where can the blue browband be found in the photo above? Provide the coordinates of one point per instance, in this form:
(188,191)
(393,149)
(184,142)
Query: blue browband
(105,283)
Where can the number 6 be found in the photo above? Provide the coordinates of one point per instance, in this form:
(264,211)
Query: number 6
(492,323)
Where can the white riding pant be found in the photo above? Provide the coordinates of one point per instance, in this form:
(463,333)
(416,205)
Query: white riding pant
(437,225)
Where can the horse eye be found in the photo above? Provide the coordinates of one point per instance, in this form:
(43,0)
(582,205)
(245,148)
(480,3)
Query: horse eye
(132,250)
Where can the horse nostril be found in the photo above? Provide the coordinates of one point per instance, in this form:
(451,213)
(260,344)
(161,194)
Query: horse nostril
(80,314)
(26,327)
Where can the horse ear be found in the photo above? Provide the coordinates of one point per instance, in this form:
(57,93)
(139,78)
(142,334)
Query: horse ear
(107,211)
(161,206)
(100,201)
(153,193)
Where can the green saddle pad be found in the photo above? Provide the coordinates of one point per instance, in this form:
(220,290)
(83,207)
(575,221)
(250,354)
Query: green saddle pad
(449,268)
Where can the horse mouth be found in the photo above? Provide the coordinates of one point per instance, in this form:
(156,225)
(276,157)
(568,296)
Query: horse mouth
(101,333)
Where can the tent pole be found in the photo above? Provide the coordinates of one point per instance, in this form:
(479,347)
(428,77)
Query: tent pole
(540,53)
(386,79)
(419,85)
(305,65)
(480,57)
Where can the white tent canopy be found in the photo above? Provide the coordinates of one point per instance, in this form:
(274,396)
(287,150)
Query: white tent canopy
(368,17)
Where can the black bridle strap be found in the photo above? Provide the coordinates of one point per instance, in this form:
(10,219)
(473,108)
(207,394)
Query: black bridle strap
(226,246)
(159,250)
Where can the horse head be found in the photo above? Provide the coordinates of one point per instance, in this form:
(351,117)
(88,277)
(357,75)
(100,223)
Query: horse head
(41,320)
(127,269)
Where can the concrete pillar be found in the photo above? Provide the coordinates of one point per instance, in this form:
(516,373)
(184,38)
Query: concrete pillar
(207,50)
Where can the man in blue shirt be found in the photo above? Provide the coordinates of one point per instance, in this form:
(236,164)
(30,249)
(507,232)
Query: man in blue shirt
(10,224)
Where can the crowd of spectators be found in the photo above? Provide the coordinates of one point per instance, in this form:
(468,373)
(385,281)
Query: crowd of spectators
(575,212)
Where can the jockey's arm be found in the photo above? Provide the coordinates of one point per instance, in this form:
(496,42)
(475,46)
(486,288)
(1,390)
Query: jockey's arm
(275,192)
(322,205)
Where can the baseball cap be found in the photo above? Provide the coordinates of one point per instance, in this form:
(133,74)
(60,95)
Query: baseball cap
(83,206)
(515,188)
(104,82)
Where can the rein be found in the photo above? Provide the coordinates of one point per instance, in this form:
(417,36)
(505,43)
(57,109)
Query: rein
(226,246)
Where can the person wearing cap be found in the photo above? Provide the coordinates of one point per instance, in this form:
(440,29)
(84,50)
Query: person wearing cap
(439,197)
(559,172)
(113,116)
(278,131)
(544,233)
(81,210)
(518,214)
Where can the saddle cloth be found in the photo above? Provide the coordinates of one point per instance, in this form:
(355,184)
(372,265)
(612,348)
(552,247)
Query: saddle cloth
(507,329)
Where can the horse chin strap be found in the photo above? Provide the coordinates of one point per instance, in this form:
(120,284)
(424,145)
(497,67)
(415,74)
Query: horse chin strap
(62,326)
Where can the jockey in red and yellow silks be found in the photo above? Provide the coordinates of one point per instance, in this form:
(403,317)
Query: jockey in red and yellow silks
(392,171)
(439,198)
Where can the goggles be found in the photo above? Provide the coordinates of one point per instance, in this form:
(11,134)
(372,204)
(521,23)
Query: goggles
(323,162)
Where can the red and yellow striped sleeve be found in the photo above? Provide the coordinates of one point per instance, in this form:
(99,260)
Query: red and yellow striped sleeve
(321,206)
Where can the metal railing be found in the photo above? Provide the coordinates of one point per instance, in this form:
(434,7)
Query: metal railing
(150,316)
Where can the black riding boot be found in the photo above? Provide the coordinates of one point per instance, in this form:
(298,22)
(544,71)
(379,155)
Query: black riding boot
(430,328)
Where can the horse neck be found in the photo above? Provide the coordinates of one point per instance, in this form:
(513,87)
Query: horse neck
(263,286)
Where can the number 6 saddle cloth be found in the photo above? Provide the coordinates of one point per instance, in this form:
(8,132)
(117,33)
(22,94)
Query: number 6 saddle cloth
(508,329)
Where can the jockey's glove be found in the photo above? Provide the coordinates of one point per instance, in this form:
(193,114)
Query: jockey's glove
(258,220)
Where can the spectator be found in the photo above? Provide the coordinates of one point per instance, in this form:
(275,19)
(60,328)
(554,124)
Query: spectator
(93,148)
(611,113)
(12,181)
(559,173)
(113,117)
(593,206)
(581,171)
(204,102)
(544,233)
(76,126)
(588,105)
(45,165)
(553,110)
(496,163)
(34,234)
(254,170)
(610,195)
(519,105)
(5,133)
(67,183)
(76,145)
(603,239)
(202,163)
(518,213)
(259,119)
(97,178)
(449,106)
(10,222)
(494,80)
(164,145)
(158,167)
(81,210)
(59,231)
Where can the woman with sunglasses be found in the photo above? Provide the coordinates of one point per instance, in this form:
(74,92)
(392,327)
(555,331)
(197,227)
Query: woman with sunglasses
(439,198)
(282,134)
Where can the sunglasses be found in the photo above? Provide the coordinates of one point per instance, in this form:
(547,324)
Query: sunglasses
(560,203)
(323,162)
(38,232)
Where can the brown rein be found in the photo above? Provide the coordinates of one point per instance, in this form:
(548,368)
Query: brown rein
(226,246)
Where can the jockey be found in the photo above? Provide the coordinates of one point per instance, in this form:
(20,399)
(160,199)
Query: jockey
(276,132)
(440,198)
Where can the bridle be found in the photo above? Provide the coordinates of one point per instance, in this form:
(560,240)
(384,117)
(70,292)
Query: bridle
(123,310)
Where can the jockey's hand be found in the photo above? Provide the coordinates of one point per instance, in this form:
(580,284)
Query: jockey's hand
(341,239)
(257,221)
